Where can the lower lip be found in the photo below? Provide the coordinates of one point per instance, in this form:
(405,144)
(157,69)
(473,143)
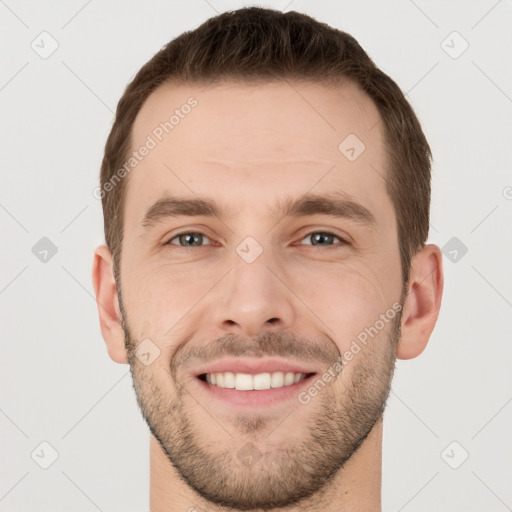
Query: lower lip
(256,397)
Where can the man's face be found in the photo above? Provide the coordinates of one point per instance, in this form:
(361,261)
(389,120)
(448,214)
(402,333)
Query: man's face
(250,291)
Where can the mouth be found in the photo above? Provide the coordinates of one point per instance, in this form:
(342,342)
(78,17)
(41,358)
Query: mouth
(253,382)
(257,382)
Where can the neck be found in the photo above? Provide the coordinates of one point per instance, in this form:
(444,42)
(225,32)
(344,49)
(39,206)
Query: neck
(355,488)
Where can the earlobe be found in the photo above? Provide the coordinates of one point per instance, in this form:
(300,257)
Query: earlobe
(108,304)
(423,301)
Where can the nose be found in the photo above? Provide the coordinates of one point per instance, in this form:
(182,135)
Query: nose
(253,298)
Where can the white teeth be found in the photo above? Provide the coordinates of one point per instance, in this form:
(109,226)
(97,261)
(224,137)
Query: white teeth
(288,379)
(277,380)
(248,382)
(243,382)
(229,380)
(262,381)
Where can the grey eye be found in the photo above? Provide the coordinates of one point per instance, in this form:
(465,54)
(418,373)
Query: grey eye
(189,239)
(322,238)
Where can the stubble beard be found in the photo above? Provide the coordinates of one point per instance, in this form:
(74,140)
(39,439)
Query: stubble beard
(337,427)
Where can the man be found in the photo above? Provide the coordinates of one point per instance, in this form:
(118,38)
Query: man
(266,194)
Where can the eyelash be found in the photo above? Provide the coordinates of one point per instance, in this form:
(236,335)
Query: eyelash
(323,232)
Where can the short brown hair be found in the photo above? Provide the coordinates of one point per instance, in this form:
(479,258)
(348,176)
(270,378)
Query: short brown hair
(262,45)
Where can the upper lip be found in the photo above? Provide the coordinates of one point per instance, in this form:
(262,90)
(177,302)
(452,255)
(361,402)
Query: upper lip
(254,366)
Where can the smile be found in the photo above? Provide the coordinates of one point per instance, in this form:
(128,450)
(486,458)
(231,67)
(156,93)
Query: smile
(250,382)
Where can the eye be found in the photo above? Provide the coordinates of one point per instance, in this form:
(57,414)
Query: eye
(195,239)
(189,239)
(323,239)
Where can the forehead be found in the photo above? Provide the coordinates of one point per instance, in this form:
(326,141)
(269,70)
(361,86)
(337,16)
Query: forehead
(235,140)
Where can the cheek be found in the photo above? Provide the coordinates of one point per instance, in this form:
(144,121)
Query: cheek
(349,298)
(159,297)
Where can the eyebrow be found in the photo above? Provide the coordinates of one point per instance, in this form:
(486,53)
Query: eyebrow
(338,205)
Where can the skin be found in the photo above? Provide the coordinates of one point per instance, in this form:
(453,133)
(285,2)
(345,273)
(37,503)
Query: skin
(246,147)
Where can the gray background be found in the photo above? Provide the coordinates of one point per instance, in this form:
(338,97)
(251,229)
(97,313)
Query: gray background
(59,385)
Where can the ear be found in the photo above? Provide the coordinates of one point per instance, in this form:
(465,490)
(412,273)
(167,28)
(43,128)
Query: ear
(423,301)
(108,304)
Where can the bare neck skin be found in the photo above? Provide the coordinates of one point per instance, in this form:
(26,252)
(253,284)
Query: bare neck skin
(356,488)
